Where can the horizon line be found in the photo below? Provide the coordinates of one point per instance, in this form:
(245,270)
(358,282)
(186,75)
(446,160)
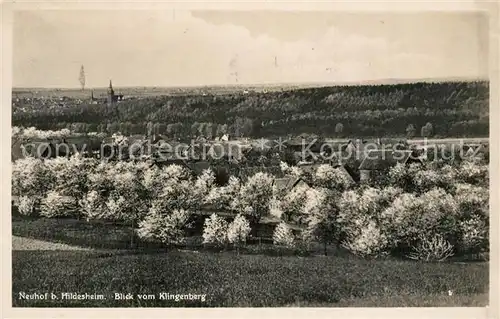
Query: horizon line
(394,81)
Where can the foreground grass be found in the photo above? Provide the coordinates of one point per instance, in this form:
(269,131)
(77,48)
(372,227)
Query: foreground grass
(65,255)
(244,280)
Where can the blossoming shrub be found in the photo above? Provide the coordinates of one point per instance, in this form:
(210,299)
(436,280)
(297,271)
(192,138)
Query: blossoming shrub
(283,236)
(27,205)
(473,173)
(472,200)
(93,206)
(215,231)
(474,236)
(434,248)
(402,176)
(56,205)
(168,228)
(366,240)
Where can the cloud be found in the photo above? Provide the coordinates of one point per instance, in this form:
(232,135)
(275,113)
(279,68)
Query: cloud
(146,48)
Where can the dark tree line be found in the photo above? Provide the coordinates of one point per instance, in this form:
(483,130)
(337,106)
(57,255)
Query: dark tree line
(420,109)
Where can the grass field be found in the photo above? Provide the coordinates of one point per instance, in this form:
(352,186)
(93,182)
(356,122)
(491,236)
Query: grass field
(226,278)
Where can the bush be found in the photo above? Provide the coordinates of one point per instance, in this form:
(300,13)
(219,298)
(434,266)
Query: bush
(474,237)
(26,205)
(166,228)
(473,173)
(366,241)
(93,206)
(283,235)
(472,200)
(434,249)
(215,231)
(57,205)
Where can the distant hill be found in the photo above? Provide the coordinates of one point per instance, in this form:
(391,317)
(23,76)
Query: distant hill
(236,87)
(453,109)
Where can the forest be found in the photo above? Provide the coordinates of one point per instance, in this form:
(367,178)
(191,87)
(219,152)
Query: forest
(447,109)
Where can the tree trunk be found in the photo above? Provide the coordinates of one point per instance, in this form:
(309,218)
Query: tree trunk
(132,242)
(324,248)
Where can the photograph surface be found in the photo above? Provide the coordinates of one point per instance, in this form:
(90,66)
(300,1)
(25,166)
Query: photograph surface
(215,158)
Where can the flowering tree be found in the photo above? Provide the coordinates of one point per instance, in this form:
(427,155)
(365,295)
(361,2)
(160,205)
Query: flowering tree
(215,231)
(30,177)
(320,215)
(56,205)
(93,206)
(168,228)
(27,205)
(292,204)
(203,186)
(332,178)
(367,240)
(71,174)
(283,235)
(223,196)
(254,196)
(410,217)
(402,176)
(473,173)
(238,231)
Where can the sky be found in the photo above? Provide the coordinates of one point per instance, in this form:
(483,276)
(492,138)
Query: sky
(191,48)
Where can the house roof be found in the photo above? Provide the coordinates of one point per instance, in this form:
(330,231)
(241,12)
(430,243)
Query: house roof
(383,159)
(346,172)
(309,168)
(286,183)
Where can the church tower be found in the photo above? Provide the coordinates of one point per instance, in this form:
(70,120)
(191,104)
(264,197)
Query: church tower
(111,94)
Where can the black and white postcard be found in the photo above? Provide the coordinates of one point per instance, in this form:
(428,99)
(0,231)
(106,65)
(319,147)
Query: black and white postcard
(263,156)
